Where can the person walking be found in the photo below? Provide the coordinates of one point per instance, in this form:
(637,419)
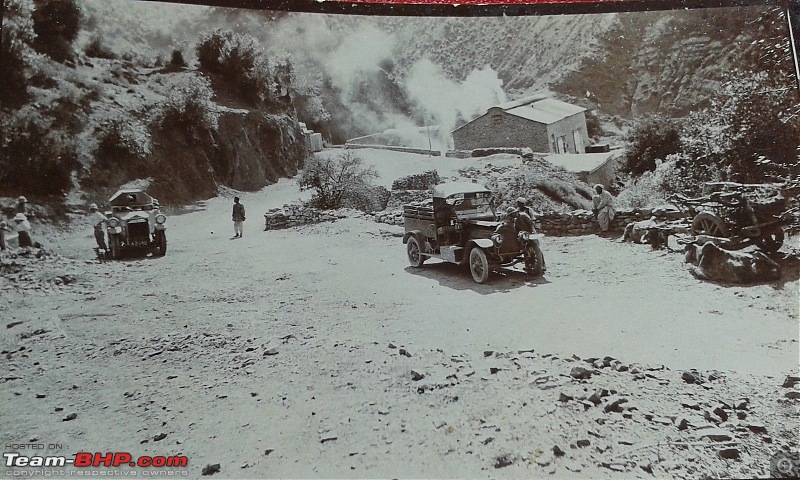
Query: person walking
(98,221)
(603,207)
(238,218)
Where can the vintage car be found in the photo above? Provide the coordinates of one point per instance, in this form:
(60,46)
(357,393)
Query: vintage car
(135,224)
(459,225)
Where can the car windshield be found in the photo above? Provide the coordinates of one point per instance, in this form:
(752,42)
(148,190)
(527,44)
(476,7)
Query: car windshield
(471,204)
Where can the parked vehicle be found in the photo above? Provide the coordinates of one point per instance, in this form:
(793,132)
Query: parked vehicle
(740,213)
(459,225)
(136,224)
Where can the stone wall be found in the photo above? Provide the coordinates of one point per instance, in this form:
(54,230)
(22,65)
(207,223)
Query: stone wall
(419,181)
(583,222)
(292,215)
(579,222)
(496,128)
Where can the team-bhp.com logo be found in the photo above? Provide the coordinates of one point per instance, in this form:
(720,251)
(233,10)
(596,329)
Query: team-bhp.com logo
(97,459)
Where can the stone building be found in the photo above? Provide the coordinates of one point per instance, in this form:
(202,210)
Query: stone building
(591,168)
(543,124)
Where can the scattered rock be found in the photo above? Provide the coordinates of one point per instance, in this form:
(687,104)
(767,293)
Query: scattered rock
(71,416)
(328,437)
(488,353)
(621,367)
(793,394)
(595,398)
(558,452)
(404,352)
(722,414)
(159,437)
(757,427)
(268,451)
(270,352)
(392,345)
(563,397)
(503,461)
(662,420)
(416,376)
(717,435)
(789,382)
(583,443)
(691,405)
(692,376)
(211,469)
(580,373)
(682,423)
(40,395)
(729,453)
(616,405)
(616,467)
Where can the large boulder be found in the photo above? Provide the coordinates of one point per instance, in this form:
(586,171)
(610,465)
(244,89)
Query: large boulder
(719,265)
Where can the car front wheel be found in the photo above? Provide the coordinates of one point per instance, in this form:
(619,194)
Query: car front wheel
(415,257)
(478,265)
(161,243)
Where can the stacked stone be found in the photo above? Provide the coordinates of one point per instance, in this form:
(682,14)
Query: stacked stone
(295,214)
(458,154)
(420,181)
(583,222)
(390,218)
(398,198)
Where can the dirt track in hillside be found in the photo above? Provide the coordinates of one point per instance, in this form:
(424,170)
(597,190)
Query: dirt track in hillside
(289,342)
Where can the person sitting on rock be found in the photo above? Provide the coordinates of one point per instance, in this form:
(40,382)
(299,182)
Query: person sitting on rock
(23,228)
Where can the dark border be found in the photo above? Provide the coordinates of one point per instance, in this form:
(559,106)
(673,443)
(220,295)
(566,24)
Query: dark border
(538,7)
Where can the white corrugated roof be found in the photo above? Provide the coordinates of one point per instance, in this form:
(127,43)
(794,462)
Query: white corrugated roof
(579,162)
(546,110)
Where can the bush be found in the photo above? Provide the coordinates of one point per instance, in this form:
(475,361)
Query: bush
(177,59)
(188,104)
(229,54)
(56,24)
(17,36)
(97,49)
(34,158)
(340,182)
(653,138)
(123,137)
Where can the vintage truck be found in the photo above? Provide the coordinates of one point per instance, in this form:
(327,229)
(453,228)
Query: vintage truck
(459,225)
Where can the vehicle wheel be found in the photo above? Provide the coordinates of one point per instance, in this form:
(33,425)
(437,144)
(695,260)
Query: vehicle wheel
(113,247)
(771,240)
(161,243)
(535,261)
(708,224)
(478,265)
(415,257)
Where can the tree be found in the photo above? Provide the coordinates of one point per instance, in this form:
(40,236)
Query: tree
(18,34)
(339,182)
(56,23)
(652,138)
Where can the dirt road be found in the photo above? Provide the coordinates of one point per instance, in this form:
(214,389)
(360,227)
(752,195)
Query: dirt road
(290,354)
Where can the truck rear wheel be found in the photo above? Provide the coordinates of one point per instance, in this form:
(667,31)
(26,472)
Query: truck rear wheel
(415,257)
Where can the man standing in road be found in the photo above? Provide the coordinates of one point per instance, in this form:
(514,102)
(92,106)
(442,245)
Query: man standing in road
(98,221)
(238,217)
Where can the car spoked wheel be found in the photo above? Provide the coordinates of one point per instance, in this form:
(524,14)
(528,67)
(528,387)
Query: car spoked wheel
(415,257)
(771,240)
(534,262)
(161,243)
(478,265)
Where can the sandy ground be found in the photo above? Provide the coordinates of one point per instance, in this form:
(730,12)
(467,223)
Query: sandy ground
(317,352)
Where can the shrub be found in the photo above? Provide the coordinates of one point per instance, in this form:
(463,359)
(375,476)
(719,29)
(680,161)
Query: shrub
(177,59)
(229,54)
(339,182)
(16,39)
(35,158)
(96,48)
(650,139)
(123,137)
(188,104)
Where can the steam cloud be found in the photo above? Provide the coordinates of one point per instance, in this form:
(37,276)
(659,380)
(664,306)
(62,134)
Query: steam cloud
(352,58)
